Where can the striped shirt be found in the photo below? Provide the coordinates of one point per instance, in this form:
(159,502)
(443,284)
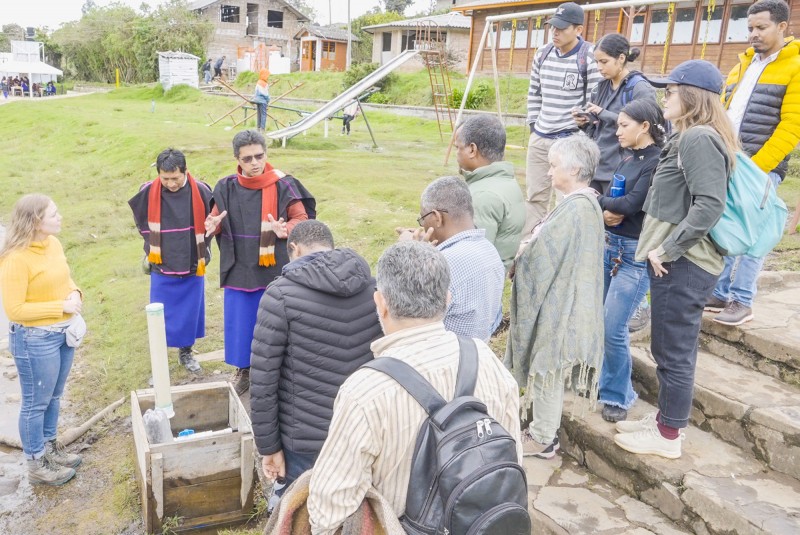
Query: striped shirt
(557,87)
(477,279)
(375,422)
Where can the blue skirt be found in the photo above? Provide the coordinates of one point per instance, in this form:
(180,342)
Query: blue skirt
(240,311)
(184,301)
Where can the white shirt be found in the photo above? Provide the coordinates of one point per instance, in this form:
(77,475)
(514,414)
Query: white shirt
(744,89)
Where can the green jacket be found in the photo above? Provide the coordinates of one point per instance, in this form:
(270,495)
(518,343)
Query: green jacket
(499,206)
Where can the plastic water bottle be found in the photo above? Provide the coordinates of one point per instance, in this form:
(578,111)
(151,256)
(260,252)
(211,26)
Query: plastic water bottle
(617,188)
(279,484)
(156,425)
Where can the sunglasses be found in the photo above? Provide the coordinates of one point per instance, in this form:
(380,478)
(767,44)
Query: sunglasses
(248,159)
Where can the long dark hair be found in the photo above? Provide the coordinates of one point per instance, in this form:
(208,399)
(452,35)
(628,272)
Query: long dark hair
(643,109)
(616,45)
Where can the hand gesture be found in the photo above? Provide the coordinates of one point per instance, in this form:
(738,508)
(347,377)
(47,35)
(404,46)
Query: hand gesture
(658,269)
(278,227)
(212,222)
(580,117)
(418,234)
(594,109)
(611,219)
(73,303)
(274,466)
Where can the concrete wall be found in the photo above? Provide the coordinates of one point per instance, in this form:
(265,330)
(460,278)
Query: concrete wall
(228,37)
(457,43)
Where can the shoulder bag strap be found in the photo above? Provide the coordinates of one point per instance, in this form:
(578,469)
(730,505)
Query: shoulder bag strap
(410,379)
(467,367)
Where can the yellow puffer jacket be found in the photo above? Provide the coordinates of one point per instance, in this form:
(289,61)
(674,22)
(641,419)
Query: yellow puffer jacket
(770,128)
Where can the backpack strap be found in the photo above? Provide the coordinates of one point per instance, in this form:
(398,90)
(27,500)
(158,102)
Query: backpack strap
(467,367)
(410,379)
(583,68)
(630,83)
(545,52)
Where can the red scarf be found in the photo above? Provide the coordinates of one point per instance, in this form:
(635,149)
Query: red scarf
(269,205)
(154,223)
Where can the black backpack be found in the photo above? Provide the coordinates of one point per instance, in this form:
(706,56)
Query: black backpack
(465,478)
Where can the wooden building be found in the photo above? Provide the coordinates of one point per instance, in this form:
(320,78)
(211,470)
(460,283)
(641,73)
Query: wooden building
(243,25)
(720,29)
(323,48)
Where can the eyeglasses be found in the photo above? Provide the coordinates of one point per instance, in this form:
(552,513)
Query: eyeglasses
(421,219)
(248,159)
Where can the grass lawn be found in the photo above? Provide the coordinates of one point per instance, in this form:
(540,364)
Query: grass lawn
(92,153)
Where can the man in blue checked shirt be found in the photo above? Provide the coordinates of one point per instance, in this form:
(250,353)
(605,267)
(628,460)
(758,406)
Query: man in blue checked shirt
(477,274)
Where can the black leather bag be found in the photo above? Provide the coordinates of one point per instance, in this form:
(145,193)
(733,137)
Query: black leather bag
(465,478)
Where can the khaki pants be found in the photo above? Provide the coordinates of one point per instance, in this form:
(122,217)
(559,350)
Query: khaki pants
(539,185)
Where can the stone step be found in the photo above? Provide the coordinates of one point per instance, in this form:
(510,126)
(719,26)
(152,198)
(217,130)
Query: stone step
(770,342)
(714,488)
(564,498)
(751,410)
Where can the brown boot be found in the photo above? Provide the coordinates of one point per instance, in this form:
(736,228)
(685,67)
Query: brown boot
(241,380)
(43,471)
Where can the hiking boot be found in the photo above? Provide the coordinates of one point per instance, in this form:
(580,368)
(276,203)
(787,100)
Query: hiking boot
(43,471)
(639,320)
(241,380)
(613,414)
(649,441)
(56,453)
(734,314)
(715,305)
(186,358)
(532,448)
(633,426)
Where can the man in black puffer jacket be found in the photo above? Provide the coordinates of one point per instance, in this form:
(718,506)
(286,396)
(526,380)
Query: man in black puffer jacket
(314,328)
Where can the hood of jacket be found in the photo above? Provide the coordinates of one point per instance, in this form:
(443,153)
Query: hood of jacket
(339,272)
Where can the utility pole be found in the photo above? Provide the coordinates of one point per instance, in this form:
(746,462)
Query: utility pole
(349,37)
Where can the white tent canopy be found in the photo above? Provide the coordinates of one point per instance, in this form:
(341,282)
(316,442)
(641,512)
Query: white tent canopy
(36,71)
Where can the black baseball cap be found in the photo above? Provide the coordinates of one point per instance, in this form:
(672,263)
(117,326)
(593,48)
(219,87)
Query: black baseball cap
(695,72)
(566,14)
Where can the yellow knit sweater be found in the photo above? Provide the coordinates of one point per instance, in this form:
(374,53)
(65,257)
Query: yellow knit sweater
(34,283)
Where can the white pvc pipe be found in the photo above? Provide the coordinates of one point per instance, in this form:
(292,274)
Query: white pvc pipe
(157,333)
(587,7)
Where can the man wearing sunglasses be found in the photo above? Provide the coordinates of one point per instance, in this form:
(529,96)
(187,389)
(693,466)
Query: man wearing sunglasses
(254,211)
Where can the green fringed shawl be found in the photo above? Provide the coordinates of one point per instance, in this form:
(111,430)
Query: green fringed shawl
(557,302)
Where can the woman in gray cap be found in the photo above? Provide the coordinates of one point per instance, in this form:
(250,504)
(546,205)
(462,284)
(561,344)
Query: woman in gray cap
(686,199)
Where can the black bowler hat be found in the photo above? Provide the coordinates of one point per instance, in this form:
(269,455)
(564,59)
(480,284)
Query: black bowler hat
(566,14)
(695,72)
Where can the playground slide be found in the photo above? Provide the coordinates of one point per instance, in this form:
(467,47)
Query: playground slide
(341,101)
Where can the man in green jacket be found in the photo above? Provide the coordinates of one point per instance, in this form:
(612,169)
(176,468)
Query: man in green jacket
(497,199)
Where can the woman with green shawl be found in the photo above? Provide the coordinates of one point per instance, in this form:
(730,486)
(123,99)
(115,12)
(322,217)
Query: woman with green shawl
(556,333)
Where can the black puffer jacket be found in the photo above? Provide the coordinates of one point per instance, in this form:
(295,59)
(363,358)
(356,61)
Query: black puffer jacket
(315,326)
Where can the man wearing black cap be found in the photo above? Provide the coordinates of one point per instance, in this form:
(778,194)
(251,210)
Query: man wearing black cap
(761,97)
(562,75)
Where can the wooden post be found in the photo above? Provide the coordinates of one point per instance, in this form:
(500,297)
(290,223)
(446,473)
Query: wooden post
(496,75)
(248,461)
(157,478)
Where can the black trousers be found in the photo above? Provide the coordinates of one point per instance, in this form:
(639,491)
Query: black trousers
(677,300)
(346,120)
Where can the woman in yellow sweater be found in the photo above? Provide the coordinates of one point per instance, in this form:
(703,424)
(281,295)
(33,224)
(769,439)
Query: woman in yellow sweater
(40,300)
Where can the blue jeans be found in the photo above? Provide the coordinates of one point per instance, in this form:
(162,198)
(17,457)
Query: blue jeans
(625,285)
(738,279)
(43,361)
(207,77)
(262,115)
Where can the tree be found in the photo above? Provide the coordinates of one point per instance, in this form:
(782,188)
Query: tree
(88,6)
(397,6)
(52,52)
(362,50)
(305,8)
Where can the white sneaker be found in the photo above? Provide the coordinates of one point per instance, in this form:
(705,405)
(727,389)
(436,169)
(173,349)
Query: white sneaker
(649,441)
(631,426)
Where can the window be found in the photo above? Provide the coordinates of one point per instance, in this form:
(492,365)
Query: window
(252,19)
(538,36)
(408,41)
(637,29)
(387,42)
(328,50)
(714,28)
(683,29)
(658,27)
(521,37)
(505,34)
(274,19)
(229,14)
(737,26)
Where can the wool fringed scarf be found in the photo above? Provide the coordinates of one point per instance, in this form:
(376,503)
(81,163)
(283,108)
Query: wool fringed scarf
(269,205)
(154,223)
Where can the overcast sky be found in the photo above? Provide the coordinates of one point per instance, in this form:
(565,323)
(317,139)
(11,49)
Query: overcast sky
(52,13)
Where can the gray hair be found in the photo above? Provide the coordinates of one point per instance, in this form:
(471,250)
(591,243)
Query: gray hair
(449,194)
(577,153)
(488,134)
(311,232)
(414,278)
(245,138)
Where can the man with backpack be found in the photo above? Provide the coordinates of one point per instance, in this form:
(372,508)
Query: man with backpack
(762,98)
(376,420)
(563,75)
